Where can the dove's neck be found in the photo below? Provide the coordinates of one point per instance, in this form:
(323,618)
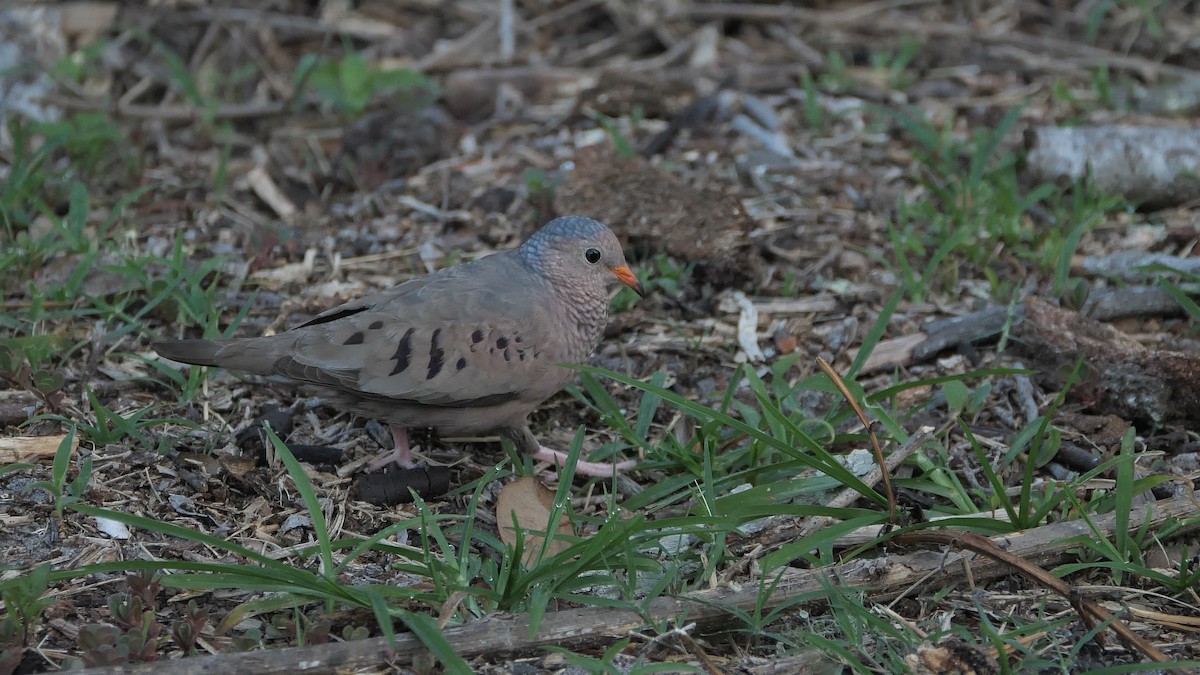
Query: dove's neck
(583,306)
(587,309)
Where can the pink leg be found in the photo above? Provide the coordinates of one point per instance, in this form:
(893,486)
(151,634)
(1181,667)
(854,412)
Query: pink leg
(401,454)
(602,469)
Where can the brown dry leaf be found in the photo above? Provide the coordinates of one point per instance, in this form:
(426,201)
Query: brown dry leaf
(952,657)
(239,467)
(530,502)
(31,448)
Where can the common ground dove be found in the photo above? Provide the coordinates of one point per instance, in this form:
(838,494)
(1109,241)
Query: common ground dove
(469,349)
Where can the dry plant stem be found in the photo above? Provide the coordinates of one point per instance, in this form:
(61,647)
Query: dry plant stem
(700,654)
(862,416)
(573,628)
(172,113)
(1090,612)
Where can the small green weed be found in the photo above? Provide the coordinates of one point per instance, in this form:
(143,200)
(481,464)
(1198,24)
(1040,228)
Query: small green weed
(814,114)
(977,209)
(661,273)
(539,188)
(621,144)
(93,143)
(894,65)
(64,493)
(1149,11)
(109,427)
(24,600)
(31,363)
(350,84)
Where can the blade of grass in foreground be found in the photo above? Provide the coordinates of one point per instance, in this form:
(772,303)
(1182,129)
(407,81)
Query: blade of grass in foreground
(315,513)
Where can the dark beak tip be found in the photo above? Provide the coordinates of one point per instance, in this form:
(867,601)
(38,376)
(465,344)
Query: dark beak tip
(627,277)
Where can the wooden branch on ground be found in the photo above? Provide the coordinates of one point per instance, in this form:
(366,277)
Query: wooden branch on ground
(1153,166)
(1108,304)
(1111,304)
(1132,265)
(882,578)
(941,334)
(31,448)
(170,113)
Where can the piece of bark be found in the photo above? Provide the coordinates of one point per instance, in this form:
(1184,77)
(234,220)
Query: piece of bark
(882,579)
(320,455)
(1111,304)
(969,328)
(655,211)
(1171,97)
(951,656)
(1131,265)
(893,353)
(1121,377)
(1104,305)
(31,448)
(938,335)
(16,407)
(1152,166)
(692,116)
(471,95)
(389,489)
(252,438)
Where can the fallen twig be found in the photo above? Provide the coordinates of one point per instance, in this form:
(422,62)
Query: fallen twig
(1089,611)
(503,633)
(1154,166)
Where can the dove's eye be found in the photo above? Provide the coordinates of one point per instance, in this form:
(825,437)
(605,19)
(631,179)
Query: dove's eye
(592,255)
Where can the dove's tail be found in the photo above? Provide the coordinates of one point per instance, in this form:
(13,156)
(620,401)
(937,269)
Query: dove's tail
(251,355)
(195,352)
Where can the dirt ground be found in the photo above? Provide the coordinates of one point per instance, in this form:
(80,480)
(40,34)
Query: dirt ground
(748,155)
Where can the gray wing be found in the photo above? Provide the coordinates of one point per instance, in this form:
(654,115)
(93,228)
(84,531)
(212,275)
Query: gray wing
(478,335)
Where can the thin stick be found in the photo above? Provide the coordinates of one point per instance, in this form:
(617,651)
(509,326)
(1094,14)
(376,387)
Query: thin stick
(878,450)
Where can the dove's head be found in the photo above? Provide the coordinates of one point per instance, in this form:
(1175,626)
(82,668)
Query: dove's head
(578,251)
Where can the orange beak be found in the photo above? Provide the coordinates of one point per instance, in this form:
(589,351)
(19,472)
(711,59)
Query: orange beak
(627,277)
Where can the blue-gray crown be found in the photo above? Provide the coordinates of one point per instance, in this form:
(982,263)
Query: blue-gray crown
(560,229)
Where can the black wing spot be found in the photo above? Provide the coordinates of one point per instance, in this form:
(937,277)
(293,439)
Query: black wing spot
(376,325)
(356,339)
(477,336)
(403,353)
(517,338)
(436,355)
(334,317)
(462,363)
(501,342)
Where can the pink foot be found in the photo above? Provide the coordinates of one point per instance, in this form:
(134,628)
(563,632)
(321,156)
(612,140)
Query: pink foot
(601,469)
(401,454)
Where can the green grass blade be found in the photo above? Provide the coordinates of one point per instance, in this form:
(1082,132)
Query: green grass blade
(311,503)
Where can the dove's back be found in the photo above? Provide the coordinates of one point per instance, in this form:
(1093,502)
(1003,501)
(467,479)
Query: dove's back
(488,334)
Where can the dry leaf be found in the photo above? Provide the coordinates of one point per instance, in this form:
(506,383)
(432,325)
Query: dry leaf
(530,502)
(115,529)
